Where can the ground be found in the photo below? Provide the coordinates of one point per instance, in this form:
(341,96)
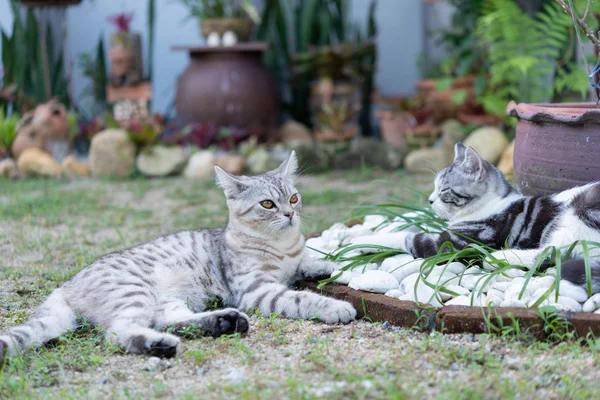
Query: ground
(52,229)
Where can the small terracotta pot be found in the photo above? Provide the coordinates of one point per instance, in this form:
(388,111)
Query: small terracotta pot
(242,27)
(556,147)
(422,136)
(394,125)
(330,136)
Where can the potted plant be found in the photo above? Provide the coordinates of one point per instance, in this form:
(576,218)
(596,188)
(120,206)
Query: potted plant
(556,145)
(125,52)
(221,16)
(336,122)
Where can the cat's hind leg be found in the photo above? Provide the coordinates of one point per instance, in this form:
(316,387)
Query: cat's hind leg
(52,319)
(135,336)
(177,317)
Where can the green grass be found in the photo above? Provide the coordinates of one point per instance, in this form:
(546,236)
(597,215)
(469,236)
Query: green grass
(42,244)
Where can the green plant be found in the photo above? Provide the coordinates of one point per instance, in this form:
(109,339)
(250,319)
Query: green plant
(333,117)
(204,9)
(94,68)
(526,55)
(8,129)
(31,62)
(300,28)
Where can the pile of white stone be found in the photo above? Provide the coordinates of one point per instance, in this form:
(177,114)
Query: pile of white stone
(406,278)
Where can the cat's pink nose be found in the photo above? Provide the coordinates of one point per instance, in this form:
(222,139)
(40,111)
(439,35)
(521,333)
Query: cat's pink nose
(290,214)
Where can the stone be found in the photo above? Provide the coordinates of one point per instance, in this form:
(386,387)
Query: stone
(459,289)
(314,158)
(160,160)
(155,364)
(213,39)
(456,267)
(294,134)
(370,152)
(488,142)
(229,39)
(506,163)
(427,160)
(592,304)
(459,301)
(396,293)
(200,165)
(575,292)
(260,161)
(344,276)
(74,168)
(374,281)
(9,169)
(112,153)
(407,269)
(232,163)
(34,161)
(424,294)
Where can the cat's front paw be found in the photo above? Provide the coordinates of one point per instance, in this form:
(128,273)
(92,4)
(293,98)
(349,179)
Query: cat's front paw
(338,312)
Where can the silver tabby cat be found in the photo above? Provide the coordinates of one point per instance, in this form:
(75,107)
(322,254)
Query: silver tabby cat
(136,293)
(481,206)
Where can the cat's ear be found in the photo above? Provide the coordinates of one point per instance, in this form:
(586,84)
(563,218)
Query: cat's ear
(473,163)
(289,166)
(231,184)
(459,151)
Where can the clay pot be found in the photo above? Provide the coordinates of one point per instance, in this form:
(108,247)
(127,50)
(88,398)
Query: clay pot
(242,27)
(330,136)
(422,136)
(556,146)
(394,126)
(228,86)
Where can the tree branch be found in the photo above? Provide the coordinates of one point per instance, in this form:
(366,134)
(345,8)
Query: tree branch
(586,29)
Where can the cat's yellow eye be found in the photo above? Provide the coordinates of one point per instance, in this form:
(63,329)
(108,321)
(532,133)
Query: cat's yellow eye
(294,199)
(267,204)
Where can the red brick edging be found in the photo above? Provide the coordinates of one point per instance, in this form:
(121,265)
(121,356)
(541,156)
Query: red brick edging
(449,319)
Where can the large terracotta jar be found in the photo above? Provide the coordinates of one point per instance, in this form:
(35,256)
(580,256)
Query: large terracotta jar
(556,147)
(230,87)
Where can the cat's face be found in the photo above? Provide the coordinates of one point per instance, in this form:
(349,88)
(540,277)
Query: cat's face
(463,185)
(268,204)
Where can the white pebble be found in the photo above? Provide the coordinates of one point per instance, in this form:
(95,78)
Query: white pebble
(493,300)
(229,38)
(540,283)
(572,291)
(407,269)
(514,272)
(456,267)
(513,303)
(500,286)
(408,283)
(564,304)
(396,293)
(597,311)
(496,293)
(373,221)
(424,294)
(592,304)
(213,39)
(459,301)
(374,281)
(459,289)
(345,276)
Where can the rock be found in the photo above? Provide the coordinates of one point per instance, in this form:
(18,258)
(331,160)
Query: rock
(200,165)
(488,142)
(459,289)
(232,163)
(112,153)
(592,304)
(427,160)
(407,269)
(506,163)
(471,277)
(452,133)
(459,301)
(567,303)
(8,169)
(260,161)
(314,159)
(370,152)
(294,134)
(73,167)
(424,294)
(374,281)
(568,289)
(394,293)
(345,276)
(155,364)
(235,376)
(34,161)
(456,267)
(160,160)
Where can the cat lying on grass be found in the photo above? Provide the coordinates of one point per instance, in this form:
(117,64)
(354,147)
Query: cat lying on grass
(481,206)
(138,293)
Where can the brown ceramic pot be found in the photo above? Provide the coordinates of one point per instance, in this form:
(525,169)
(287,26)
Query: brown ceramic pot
(556,146)
(228,86)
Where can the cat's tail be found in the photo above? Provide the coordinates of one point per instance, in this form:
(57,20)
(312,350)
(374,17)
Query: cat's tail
(574,271)
(53,318)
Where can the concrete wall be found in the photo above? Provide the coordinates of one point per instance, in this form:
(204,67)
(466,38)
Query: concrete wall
(400,40)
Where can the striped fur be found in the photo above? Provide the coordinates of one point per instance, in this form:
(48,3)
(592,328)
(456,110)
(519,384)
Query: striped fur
(136,294)
(482,207)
